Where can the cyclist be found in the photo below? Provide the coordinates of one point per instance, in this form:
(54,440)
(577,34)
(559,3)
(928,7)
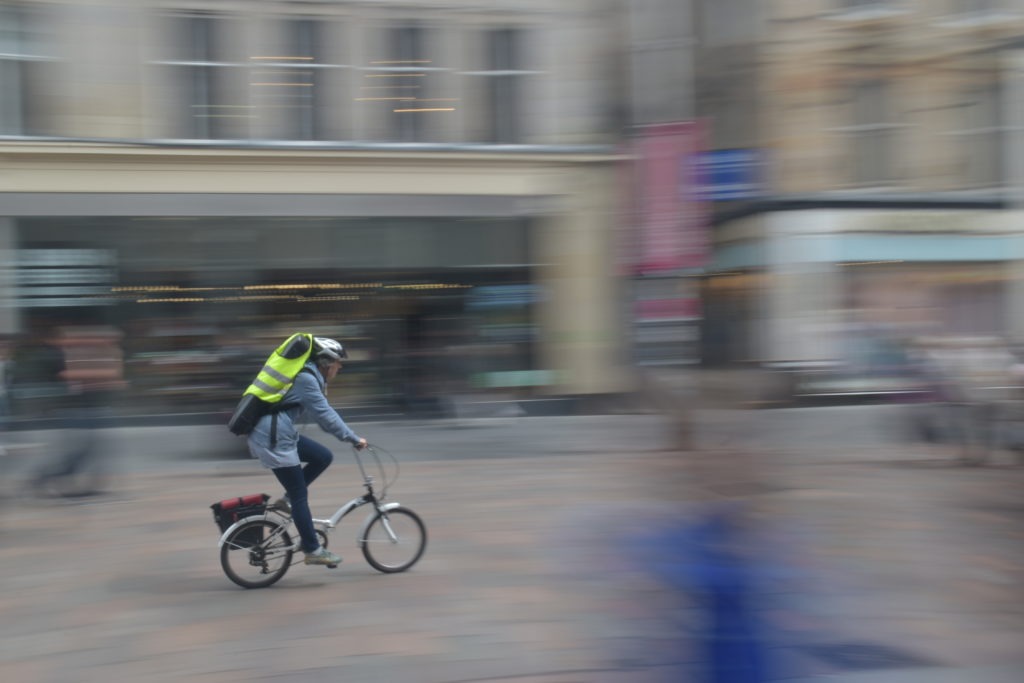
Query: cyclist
(279,447)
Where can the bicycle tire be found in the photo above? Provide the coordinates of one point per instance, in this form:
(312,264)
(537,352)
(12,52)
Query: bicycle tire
(262,546)
(382,553)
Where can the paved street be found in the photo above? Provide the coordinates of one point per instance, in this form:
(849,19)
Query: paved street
(561,549)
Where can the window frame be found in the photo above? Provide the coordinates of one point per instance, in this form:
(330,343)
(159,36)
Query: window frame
(505,81)
(203,70)
(878,130)
(17,105)
(991,172)
(302,34)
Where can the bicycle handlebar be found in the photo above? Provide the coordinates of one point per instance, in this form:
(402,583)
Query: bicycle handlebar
(373,450)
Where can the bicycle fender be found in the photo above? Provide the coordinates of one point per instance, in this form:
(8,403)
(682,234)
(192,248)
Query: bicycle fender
(369,518)
(220,541)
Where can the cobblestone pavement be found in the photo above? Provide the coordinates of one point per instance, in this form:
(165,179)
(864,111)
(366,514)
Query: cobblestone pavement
(577,550)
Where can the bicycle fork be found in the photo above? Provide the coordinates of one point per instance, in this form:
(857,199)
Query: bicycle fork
(382,511)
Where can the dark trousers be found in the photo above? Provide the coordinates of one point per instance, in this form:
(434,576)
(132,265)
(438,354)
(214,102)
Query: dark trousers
(296,481)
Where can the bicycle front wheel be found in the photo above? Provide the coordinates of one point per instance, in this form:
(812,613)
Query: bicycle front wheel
(394,540)
(256,554)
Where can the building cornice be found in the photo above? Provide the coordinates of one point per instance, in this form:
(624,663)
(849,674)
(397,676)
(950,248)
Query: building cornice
(922,201)
(288,152)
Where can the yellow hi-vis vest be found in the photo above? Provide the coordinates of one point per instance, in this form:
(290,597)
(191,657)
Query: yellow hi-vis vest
(278,373)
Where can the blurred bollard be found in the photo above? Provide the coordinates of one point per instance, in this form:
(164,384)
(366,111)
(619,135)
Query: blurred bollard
(671,396)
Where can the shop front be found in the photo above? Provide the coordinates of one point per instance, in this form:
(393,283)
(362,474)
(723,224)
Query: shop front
(428,307)
(446,269)
(805,286)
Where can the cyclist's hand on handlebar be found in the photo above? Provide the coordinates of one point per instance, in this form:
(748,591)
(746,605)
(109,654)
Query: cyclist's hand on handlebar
(359,445)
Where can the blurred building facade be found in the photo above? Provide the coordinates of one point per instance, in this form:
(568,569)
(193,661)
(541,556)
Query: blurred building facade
(873,154)
(437,183)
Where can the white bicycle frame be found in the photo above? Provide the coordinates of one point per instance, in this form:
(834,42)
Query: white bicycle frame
(326,525)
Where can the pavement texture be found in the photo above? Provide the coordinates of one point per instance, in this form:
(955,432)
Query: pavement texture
(571,549)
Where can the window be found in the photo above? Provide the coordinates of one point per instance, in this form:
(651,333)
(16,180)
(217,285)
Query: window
(407,78)
(400,86)
(981,136)
(205,108)
(504,85)
(871,133)
(291,84)
(20,61)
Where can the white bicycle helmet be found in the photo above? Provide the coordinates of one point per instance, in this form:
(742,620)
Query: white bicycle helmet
(324,347)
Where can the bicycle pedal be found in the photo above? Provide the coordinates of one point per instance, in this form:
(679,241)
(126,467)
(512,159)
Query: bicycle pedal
(332,566)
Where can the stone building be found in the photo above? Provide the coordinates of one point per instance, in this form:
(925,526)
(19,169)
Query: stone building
(432,180)
(880,145)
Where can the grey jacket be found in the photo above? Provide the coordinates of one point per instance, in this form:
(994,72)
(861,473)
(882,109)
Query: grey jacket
(307,393)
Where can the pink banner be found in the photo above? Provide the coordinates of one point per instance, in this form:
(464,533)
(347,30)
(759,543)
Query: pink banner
(671,219)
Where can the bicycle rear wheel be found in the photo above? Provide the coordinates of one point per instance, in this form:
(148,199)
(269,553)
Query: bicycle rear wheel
(257,553)
(394,540)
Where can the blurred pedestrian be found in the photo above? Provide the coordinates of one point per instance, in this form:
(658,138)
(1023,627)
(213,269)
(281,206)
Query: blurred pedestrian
(36,386)
(94,376)
(6,346)
(6,351)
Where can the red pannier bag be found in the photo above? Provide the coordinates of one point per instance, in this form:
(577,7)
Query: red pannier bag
(227,512)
